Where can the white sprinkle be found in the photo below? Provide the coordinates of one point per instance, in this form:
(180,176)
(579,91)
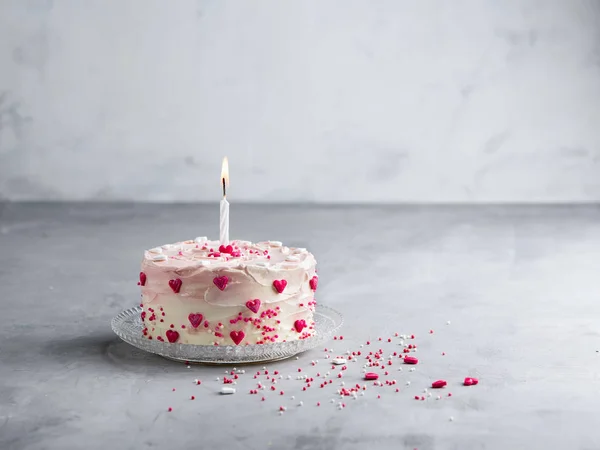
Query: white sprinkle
(293,397)
(196,381)
(339,361)
(281,413)
(448,323)
(217,379)
(291,258)
(275,243)
(189,367)
(226,372)
(425,391)
(327,356)
(316,361)
(289,377)
(332,400)
(297,357)
(439,397)
(342,384)
(235,382)
(362,393)
(408,383)
(301,403)
(159,258)
(200,239)
(227,390)
(361,345)
(264,368)
(364,371)
(399,369)
(412,369)
(327,374)
(451,419)
(429,395)
(281,377)
(155,250)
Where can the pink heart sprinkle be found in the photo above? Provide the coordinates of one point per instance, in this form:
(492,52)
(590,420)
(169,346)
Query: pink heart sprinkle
(410,360)
(221,282)
(142,279)
(299,325)
(226,249)
(253,305)
(279,285)
(237,336)
(175,285)
(438,384)
(470,381)
(172,336)
(195,319)
(314,281)
(371,376)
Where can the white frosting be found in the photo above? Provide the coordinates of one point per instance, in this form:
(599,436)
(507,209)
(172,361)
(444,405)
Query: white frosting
(210,314)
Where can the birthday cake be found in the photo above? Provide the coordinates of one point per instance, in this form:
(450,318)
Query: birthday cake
(200,292)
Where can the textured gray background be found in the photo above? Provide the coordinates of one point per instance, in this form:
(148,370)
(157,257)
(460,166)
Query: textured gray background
(338,100)
(520,286)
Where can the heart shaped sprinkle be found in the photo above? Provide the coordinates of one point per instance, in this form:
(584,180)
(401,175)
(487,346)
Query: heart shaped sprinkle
(371,376)
(438,384)
(221,282)
(253,305)
(279,285)
(226,249)
(175,285)
(299,325)
(172,336)
(195,319)
(411,360)
(237,336)
(314,281)
(470,381)
(142,279)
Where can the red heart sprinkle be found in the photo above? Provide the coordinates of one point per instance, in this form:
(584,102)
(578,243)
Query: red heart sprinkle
(175,285)
(253,305)
(172,336)
(226,249)
(314,281)
(279,285)
(142,279)
(221,282)
(237,337)
(371,376)
(195,319)
(438,384)
(470,381)
(410,360)
(299,325)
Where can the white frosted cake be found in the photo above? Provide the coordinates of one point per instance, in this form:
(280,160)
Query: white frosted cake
(201,292)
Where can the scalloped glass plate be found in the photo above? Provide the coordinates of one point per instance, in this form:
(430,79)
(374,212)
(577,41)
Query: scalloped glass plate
(128,326)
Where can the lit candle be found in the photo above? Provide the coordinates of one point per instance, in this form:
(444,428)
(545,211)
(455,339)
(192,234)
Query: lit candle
(224,223)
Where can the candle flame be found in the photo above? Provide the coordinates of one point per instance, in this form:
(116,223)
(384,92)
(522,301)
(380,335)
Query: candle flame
(225,175)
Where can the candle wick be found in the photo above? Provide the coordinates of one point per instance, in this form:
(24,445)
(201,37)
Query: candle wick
(224,188)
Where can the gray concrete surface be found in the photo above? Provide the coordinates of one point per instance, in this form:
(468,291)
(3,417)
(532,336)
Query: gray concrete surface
(520,286)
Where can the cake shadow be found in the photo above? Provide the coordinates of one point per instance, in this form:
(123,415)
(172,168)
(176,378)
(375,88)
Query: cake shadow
(106,349)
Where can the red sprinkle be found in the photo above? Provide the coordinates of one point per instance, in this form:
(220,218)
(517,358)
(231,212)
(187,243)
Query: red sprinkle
(438,384)
(193,398)
(411,360)
(371,376)
(170,409)
(470,381)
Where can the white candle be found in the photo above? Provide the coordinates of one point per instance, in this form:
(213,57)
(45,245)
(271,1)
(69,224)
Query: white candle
(224,228)
(224,222)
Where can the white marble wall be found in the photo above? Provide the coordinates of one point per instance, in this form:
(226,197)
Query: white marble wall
(313,100)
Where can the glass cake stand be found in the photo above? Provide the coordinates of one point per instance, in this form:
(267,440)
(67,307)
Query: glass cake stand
(128,326)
